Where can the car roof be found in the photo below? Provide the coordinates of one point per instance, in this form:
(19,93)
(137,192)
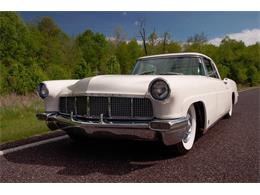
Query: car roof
(175,54)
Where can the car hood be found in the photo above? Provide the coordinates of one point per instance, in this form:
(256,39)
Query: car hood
(111,84)
(123,84)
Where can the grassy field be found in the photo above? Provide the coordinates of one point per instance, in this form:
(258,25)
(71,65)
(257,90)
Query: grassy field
(17,117)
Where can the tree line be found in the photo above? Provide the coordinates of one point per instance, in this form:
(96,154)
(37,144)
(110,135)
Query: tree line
(40,50)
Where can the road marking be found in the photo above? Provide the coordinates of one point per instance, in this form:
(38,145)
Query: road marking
(10,150)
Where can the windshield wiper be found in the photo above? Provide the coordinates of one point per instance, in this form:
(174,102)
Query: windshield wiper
(146,72)
(171,73)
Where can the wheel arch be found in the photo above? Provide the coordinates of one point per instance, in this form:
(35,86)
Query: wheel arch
(233,98)
(201,114)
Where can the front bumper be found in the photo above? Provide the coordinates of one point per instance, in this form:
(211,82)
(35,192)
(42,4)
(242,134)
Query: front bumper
(170,131)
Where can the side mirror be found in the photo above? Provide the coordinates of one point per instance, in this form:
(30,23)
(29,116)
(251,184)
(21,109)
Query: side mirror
(225,80)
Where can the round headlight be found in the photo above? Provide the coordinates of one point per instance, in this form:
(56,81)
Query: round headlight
(159,89)
(42,90)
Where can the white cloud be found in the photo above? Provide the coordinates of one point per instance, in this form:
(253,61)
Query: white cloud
(249,37)
(139,42)
(136,23)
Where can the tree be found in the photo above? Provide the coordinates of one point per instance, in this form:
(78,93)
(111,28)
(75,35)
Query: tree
(166,40)
(53,43)
(15,44)
(95,49)
(18,79)
(134,52)
(198,38)
(173,47)
(142,33)
(82,70)
(153,41)
(223,70)
(40,50)
(119,34)
(113,65)
(253,76)
(123,57)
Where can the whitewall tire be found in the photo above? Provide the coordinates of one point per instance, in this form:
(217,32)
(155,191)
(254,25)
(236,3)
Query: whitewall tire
(188,140)
(229,114)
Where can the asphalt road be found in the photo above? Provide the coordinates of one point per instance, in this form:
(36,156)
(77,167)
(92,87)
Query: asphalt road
(229,152)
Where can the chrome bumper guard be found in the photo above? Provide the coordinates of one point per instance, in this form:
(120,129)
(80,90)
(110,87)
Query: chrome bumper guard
(171,131)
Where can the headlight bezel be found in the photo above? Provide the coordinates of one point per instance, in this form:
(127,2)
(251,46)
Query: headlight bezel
(40,88)
(166,85)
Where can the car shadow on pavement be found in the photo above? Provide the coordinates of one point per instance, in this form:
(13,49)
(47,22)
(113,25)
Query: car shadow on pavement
(109,157)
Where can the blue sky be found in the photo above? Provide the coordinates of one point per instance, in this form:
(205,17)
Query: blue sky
(180,24)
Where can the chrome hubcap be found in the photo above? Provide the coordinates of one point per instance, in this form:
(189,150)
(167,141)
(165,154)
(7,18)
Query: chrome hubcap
(188,133)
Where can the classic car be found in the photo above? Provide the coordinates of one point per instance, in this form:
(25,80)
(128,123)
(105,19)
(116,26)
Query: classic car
(169,98)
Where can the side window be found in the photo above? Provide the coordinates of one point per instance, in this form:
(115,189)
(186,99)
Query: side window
(211,71)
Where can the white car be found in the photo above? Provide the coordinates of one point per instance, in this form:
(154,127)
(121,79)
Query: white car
(168,97)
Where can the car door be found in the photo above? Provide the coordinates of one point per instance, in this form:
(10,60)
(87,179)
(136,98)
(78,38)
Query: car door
(220,86)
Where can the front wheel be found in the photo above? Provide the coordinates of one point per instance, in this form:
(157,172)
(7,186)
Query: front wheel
(188,140)
(229,114)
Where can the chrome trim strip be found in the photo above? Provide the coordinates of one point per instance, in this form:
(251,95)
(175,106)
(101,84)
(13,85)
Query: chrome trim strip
(109,107)
(111,118)
(173,133)
(88,112)
(66,104)
(75,105)
(106,95)
(132,108)
(172,124)
(98,124)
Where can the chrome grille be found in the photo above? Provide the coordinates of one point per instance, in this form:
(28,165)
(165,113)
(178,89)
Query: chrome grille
(81,105)
(98,106)
(121,107)
(139,104)
(110,107)
(63,105)
(71,105)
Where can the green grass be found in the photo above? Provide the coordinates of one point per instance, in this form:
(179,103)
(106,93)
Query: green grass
(18,121)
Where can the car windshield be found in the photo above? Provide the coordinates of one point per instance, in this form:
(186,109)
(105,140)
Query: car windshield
(169,66)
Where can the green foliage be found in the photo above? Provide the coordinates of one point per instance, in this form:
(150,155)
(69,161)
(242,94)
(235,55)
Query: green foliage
(82,70)
(223,71)
(56,72)
(31,53)
(94,48)
(15,41)
(198,38)
(18,79)
(134,51)
(234,60)
(253,76)
(123,57)
(3,80)
(113,65)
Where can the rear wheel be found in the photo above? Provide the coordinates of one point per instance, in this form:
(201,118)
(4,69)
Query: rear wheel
(188,140)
